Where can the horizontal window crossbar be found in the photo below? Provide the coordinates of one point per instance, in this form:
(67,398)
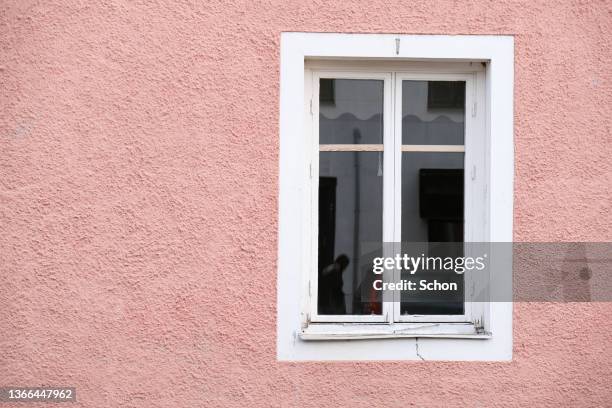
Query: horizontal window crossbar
(380,148)
(351,148)
(434,148)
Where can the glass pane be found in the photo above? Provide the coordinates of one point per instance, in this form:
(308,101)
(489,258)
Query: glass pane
(432,212)
(350,111)
(350,221)
(433,112)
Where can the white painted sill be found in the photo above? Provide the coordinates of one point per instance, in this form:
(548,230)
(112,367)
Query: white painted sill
(365,331)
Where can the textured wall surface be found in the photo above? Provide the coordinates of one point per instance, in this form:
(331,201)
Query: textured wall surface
(138,186)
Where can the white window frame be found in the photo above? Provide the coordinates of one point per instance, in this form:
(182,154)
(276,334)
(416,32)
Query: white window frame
(311,82)
(473,76)
(418,340)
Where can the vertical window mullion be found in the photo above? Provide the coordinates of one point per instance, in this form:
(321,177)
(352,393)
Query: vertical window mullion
(389,184)
(397,183)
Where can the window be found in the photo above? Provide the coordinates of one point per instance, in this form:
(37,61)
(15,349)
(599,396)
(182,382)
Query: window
(390,149)
(390,152)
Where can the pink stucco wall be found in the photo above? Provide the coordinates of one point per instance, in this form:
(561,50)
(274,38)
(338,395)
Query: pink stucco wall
(138,176)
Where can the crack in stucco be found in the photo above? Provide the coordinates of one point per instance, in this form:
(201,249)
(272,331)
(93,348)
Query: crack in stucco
(417,348)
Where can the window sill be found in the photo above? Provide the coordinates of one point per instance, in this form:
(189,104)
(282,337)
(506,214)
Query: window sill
(363,331)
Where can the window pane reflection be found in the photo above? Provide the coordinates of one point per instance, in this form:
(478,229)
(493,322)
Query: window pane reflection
(350,231)
(350,111)
(433,112)
(432,211)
